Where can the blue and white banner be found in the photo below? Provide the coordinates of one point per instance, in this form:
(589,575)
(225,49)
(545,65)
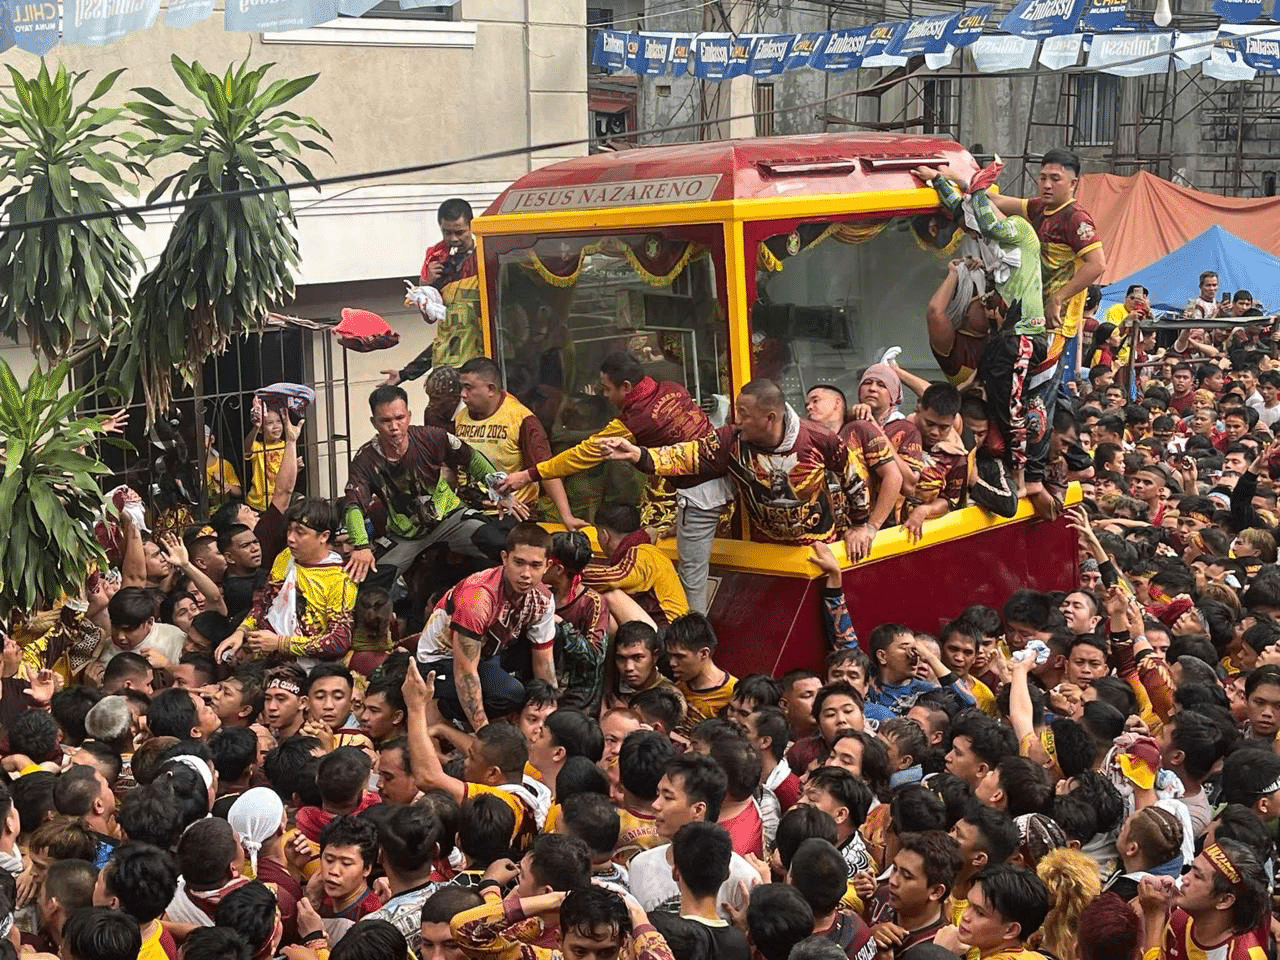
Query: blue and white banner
(1103,15)
(804,46)
(1042,18)
(924,35)
(35,26)
(842,50)
(968,25)
(1225,62)
(711,56)
(1192,48)
(740,54)
(682,53)
(1058,53)
(1238,11)
(358,8)
(1258,46)
(99,22)
(769,54)
(270,16)
(186,13)
(648,53)
(882,37)
(610,52)
(1131,54)
(1001,54)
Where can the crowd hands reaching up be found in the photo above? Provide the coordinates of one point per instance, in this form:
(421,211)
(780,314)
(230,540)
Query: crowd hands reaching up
(415,723)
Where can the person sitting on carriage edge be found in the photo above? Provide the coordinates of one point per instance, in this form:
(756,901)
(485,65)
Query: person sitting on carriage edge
(779,463)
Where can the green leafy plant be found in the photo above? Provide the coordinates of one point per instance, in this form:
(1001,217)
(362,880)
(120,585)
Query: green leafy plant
(49,497)
(62,282)
(227,261)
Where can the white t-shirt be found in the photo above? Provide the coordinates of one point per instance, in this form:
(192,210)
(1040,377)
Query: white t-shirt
(652,884)
(1266,415)
(164,638)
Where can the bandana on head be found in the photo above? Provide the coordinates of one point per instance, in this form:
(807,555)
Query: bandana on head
(284,683)
(1218,857)
(886,375)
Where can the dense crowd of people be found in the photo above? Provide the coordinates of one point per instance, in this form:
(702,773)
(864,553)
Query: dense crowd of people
(414,722)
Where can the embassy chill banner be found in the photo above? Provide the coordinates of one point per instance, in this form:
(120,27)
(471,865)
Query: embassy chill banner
(1102,28)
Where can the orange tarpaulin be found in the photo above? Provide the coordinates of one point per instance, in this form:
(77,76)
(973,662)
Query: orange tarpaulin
(1141,218)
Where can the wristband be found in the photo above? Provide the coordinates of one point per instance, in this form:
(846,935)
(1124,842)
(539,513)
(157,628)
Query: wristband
(488,882)
(314,935)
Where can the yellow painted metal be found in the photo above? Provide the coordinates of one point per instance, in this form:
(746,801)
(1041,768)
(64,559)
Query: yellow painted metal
(783,561)
(716,211)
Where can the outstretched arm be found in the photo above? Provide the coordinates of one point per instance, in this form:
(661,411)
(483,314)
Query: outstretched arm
(424,760)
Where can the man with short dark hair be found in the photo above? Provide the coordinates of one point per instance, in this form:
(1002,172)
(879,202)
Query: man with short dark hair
(134,627)
(1006,906)
(924,870)
(325,593)
(944,480)
(140,880)
(1071,255)
(507,433)
(491,625)
(692,789)
(404,467)
(100,933)
(68,886)
(1215,911)
(81,791)
(652,413)
(636,571)
(450,267)
(701,853)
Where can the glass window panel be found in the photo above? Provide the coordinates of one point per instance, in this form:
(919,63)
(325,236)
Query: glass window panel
(567,302)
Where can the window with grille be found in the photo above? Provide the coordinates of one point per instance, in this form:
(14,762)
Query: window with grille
(764,110)
(940,106)
(598,18)
(1093,114)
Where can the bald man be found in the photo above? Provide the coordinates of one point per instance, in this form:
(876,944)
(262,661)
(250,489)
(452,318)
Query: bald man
(779,463)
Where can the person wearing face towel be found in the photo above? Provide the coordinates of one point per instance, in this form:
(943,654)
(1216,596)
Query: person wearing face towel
(259,818)
(879,396)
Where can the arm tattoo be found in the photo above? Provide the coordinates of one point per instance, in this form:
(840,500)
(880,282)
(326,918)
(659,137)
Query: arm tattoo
(471,697)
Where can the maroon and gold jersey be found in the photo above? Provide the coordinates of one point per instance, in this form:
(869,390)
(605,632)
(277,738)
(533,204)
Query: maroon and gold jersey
(807,489)
(1066,234)
(1180,943)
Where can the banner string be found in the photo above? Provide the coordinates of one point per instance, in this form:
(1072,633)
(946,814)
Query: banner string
(386,173)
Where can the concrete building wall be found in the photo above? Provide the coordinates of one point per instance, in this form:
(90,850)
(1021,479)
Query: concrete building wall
(503,75)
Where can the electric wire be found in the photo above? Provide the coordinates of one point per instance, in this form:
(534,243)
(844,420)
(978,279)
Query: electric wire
(878,86)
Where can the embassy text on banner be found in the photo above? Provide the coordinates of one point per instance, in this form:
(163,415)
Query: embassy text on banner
(843,50)
(1131,54)
(922,35)
(1042,18)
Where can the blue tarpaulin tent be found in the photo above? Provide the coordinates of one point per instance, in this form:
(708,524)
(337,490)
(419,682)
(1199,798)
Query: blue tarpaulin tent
(1172,280)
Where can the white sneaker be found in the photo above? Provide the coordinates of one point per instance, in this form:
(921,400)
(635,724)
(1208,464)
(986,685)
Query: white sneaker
(891,355)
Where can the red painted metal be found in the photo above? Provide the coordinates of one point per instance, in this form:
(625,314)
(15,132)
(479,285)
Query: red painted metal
(750,168)
(771,624)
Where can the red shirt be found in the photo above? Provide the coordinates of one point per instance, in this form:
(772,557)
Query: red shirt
(480,607)
(788,792)
(1182,403)
(746,831)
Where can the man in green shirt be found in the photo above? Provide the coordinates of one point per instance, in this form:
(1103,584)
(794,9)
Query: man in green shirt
(406,467)
(1016,371)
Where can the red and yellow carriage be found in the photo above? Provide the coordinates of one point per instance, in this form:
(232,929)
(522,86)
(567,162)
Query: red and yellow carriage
(785,257)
